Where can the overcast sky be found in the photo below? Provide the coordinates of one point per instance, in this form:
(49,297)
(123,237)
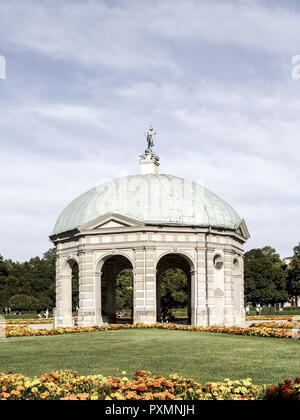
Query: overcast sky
(84,79)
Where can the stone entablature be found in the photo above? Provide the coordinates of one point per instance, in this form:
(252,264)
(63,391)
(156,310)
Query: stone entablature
(212,258)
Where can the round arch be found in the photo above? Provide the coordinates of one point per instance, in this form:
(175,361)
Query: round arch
(181,254)
(102,260)
(108,269)
(175,261)
(69,264)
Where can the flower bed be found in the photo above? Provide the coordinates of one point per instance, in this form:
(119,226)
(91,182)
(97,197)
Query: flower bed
(29,321)
(23,331)
(69,385)
(288,390)
(270,317)
(276,325)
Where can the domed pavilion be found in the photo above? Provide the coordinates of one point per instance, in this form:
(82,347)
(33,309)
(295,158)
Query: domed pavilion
(150,223)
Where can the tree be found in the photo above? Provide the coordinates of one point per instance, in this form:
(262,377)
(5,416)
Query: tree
(265,278)
(293,275)
(3,267)
(7,283)
(75,287)
(35,277)
(50,258)
(23,303)
(174,289)
(271,253)
(124,290)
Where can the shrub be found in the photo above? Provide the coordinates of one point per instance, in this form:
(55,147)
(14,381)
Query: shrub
(23,303)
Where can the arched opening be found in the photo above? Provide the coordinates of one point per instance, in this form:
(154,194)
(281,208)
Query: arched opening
(174,289)
(75,289)
(116,288)
(124,296)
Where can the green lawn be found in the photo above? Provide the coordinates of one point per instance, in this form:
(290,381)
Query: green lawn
(201,356)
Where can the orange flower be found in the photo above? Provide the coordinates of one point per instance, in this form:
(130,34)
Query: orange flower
(83,397)
(16,393)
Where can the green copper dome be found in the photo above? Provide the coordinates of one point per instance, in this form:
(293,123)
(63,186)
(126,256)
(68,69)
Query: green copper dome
(152,199)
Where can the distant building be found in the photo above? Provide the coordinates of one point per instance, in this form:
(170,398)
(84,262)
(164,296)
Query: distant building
(287,260)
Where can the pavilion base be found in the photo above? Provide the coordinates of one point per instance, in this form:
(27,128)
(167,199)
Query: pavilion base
(145,316)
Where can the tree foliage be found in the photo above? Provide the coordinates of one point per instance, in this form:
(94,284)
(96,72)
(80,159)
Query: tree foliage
(35,278)
(75,287)
(265,277)
(293,274)
(24,303)
(174,289)
(124,290)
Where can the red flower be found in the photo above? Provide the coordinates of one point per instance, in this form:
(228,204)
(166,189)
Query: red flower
(287,381)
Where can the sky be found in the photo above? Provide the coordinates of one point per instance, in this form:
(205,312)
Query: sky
(85,79)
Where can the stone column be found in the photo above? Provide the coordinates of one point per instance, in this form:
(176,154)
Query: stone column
(199,315)
(58,312)
(86,314)
(97,282)
(238,292)
(229,300)
(144,286)
(63,311)
(218,298)
(211,315)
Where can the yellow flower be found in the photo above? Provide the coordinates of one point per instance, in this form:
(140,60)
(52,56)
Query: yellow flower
(44,395)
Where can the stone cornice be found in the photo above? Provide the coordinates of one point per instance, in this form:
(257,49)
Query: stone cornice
(146,229)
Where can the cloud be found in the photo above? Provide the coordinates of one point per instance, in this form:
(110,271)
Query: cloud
(117,32)
(86,79)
